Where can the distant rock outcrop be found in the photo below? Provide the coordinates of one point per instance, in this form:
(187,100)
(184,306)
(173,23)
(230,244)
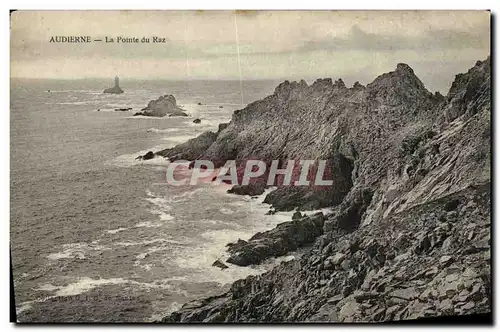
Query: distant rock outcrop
(165,105)
(116,89)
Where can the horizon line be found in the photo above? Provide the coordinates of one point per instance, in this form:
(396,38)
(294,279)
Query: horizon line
(160,79)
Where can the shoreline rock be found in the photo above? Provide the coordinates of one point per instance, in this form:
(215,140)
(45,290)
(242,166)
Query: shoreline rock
(287,236)
(149,155)
(372,274)
(190,150)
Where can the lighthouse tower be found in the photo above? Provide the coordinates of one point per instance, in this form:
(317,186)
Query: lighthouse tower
(116,89)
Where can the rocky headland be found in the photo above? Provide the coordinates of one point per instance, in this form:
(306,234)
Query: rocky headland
(409,232)
(163,106)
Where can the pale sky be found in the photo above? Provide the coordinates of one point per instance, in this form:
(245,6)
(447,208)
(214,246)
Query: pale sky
(294,45)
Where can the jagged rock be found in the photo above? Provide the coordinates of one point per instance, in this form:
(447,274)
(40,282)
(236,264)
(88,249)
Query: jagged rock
(445,260)
(147,156)
(165,105)
(405,294)
(218,263)
(222,126)
(358,86)
(240,243)
(277,242)
(196,121)
(338,258)
(252,189)
(190,150)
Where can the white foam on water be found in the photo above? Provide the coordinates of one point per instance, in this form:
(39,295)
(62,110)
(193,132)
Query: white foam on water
(162,215)
(146,267)
(139,117)
(86,284)
(147,242)
(168,130)
(60,255)
(162,206)
(226,211)
(162,312)
(185,195)
(114,231)
(179,139)
(146,253)
(24,307)
(200,259)
(161,202)
(89,102)
(199,256)
(75,250)
(148,224)
(47,288)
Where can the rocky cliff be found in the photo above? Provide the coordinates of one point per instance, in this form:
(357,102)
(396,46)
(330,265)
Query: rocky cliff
(409,235)
(165,105)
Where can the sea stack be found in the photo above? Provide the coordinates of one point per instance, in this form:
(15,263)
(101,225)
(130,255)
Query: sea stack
(165,105)
(116,89)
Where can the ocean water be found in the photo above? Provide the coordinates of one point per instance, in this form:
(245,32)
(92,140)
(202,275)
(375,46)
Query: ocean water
(97,236)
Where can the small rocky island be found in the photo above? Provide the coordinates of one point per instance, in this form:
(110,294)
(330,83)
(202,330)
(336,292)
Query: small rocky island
(165,105)
(116,89)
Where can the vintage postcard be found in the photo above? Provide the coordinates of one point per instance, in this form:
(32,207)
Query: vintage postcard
(250,166)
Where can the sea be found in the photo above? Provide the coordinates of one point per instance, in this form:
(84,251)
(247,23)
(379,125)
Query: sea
(98,236)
